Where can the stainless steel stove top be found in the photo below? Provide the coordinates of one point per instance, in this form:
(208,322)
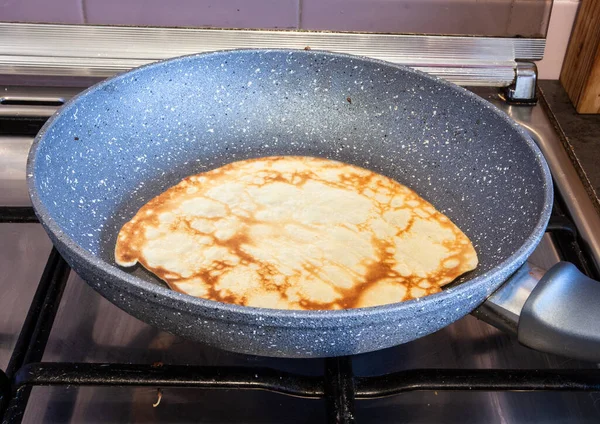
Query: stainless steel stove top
(90,329)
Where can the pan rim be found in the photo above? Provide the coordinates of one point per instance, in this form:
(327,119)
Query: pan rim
(154,294)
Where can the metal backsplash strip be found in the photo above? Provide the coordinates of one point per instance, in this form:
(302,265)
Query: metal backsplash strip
(102,51)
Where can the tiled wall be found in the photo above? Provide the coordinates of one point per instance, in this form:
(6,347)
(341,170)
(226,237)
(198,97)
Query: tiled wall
(484,17)
(194,13)
(470,17)
(58,11)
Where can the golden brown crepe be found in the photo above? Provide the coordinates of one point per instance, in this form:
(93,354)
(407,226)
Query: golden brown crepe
(292,232)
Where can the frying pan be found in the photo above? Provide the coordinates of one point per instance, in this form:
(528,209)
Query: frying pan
(127,139)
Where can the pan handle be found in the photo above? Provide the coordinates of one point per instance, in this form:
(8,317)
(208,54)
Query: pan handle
(562,314)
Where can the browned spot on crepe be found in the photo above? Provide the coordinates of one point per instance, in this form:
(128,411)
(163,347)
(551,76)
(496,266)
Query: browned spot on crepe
(293,232)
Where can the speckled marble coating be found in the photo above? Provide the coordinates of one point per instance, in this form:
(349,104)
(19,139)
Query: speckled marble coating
(125,140)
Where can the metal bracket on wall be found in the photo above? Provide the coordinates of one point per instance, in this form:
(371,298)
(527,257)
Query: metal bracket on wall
(102,51)
(524,87)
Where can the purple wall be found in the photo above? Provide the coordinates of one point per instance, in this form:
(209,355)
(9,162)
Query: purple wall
(486,17)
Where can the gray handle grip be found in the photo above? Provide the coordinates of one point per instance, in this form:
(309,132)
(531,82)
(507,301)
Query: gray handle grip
(562,314)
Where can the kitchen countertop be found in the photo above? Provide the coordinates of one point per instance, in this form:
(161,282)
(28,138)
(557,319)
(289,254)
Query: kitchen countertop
(581,135)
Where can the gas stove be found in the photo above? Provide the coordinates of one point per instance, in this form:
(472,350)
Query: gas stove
(68,355)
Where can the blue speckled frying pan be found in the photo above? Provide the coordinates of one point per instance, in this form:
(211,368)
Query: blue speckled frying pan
(125,140)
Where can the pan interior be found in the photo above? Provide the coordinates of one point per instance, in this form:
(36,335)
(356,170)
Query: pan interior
(130,138)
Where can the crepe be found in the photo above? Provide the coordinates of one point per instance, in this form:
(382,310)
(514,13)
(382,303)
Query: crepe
(293,232)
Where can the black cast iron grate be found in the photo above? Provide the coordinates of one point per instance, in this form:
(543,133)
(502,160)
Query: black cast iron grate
(338,385)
